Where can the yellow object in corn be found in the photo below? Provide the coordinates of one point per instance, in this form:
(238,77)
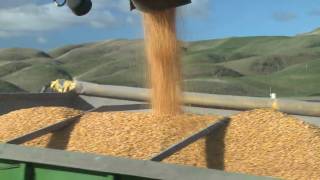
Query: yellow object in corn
(62,86)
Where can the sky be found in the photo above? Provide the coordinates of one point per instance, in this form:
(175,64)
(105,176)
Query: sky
(40,24)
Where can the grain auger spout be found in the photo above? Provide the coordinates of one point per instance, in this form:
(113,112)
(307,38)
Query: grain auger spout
(82,7)
(78,7)
(156,5)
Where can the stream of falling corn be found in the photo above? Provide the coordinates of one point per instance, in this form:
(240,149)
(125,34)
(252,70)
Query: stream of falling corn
(163,56)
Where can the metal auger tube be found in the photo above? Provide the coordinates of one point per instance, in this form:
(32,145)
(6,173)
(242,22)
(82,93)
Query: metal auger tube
(297,107)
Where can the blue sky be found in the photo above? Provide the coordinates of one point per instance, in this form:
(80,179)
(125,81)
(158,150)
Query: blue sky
(39,24)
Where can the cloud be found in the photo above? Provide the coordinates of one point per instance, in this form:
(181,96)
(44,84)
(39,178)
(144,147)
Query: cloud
(130,20)
(16,3)
(20,18)
(197,9)
(42,40)
(284,16)
(12,3)
(120,5)
(25,17)
(5,34)
(315,12)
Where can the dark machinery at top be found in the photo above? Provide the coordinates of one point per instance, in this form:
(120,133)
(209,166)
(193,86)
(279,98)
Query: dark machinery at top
(156,5)
(82,7)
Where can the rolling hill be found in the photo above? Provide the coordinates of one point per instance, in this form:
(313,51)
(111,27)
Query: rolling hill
(254,66)
(8,87)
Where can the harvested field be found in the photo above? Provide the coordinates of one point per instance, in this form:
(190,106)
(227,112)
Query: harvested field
(20,122)
(259,142)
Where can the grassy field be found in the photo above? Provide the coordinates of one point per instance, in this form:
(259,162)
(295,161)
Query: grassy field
(253,66)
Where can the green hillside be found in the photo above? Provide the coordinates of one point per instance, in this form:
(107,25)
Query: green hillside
(253,66)
(16,54)
(6,87)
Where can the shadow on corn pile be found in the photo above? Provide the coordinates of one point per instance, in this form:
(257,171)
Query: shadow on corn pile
(214,144)
(60,139)
(215,148)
